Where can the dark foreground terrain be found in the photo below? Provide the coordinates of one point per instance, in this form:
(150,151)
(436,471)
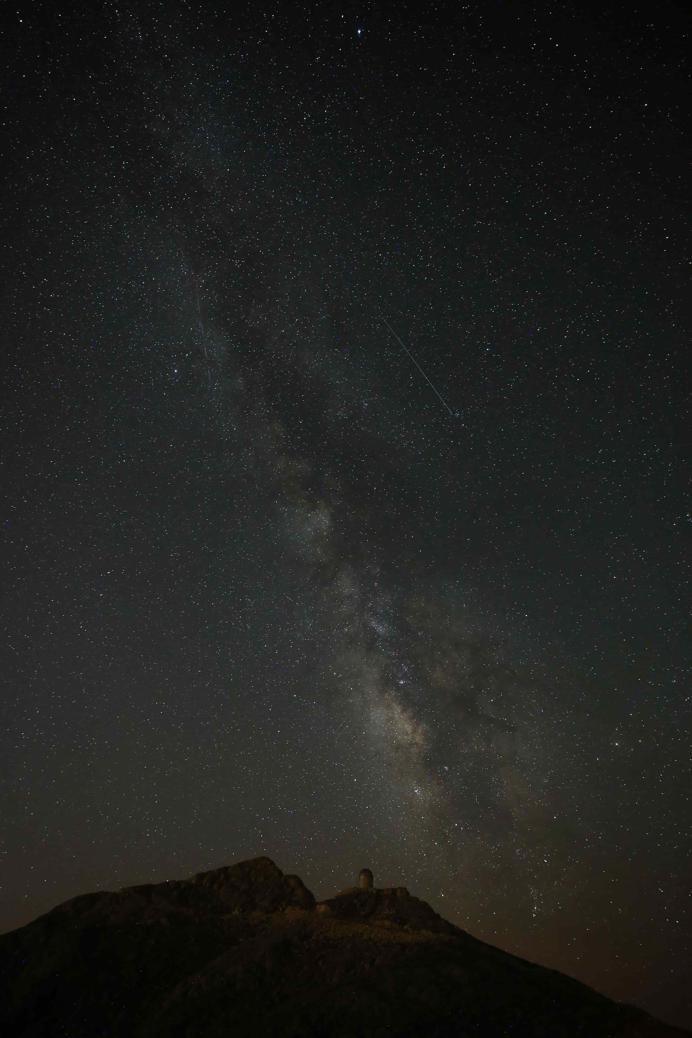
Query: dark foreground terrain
(246,951)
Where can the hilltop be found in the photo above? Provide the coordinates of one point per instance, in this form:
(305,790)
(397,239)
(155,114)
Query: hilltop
(245,950)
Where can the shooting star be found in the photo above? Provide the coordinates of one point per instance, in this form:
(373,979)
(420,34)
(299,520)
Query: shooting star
(409,354)
(200,325)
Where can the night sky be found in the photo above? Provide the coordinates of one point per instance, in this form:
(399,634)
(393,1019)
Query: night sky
(342,506)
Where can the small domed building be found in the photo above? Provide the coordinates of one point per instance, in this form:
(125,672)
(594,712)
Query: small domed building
(365,879)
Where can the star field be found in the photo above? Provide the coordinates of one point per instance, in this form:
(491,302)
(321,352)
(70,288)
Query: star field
(343,505)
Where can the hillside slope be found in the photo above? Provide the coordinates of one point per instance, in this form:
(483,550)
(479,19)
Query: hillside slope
(245,950)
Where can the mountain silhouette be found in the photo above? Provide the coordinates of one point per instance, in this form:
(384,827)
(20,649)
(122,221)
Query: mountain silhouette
(246,951)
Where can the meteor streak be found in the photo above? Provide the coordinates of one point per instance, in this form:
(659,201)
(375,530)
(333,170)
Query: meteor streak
(409,354)
(200,325)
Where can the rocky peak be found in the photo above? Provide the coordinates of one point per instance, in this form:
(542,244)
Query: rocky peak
(257,885)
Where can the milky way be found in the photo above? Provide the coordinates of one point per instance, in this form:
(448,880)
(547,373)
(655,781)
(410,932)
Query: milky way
(265,594)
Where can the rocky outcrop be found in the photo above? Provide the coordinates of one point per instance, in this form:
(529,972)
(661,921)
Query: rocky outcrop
(392,905)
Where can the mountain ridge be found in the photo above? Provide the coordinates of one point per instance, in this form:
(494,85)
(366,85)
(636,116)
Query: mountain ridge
(246,949)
